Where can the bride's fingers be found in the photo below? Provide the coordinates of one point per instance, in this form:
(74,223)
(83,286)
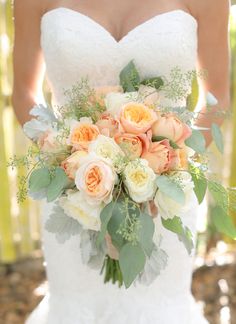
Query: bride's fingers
(112,251)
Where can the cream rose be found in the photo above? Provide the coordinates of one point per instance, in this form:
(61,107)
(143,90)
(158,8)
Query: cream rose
(76,207)
(168,207)
(82,133)
(114,101)
(172,128)
(72,163)
(161,156)
(136,118)
(96,179)
(139,180)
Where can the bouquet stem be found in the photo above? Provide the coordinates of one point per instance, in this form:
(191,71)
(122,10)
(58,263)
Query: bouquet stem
(112,271)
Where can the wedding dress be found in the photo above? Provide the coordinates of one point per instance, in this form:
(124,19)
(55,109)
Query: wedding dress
(76,46)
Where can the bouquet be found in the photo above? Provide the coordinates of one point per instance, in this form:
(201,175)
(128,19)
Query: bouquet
(108,155)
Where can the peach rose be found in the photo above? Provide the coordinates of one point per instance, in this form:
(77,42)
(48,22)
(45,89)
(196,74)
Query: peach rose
(82,133)
(172,128)
(48,142)
(72,163)
(96,180)
(161,156)
(136,118)
(108,125)
(132,145)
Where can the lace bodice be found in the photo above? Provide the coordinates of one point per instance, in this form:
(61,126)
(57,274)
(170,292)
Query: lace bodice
(76,46)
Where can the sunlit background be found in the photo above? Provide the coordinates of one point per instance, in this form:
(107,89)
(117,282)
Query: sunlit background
(22,274)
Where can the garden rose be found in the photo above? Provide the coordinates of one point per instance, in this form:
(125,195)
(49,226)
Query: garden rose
(82,133)
(48,142)
(172,128)
(108,125)
(136,118)
(168,207)
(101,92)
(76,207)
(139,179)
(132,145)
(96,179)
(72,163)
(161,156)
(114,101)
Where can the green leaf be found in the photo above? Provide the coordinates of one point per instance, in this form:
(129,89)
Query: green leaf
(146,232)
(161,138)
(39,179)
(223,222)
(175,225)
(170,188)
(219,194)
(132,261)
(105,217)
(118,217)
(155,82)
(192,99)
(196,141)
(58,183)
(217,137)
(129,77)
(200,183)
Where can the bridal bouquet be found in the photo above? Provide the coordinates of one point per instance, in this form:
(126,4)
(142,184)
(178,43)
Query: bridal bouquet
(109,155)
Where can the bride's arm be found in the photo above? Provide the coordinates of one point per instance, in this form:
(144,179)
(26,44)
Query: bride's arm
(28,64)
(213,56)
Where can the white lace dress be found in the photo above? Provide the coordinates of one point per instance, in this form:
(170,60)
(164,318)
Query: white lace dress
(76,46)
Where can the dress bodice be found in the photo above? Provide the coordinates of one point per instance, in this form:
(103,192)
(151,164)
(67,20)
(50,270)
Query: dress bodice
(76,46)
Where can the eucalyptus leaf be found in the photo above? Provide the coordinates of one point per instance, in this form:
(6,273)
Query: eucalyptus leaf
(155,82)
(223,222)
(62,225)
(132,261)
(39,179)
(196,141)
(57,185)
(105,217)
(175,225)
(217,137)
(118,218)
(129,78)
(171,189)
(200,184)
(146,232)
(219,194)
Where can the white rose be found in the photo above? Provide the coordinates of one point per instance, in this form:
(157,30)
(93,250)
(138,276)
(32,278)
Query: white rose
(114,101)
(140,180)
(169,208)
(107,148)
(76,207)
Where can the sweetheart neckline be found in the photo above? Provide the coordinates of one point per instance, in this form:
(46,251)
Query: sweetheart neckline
(91,20)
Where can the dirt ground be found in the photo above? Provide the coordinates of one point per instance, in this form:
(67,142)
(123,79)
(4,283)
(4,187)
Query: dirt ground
(23,285)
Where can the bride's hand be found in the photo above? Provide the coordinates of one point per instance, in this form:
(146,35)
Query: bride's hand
(153,210)
(112,250)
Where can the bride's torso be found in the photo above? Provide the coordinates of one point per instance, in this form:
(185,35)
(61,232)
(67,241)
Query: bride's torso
(74,47)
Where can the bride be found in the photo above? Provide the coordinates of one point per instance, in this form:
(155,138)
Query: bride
(73,39)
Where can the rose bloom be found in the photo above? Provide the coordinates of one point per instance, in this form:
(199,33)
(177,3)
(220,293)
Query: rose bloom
(72,163)
(108,125)
(172,128)
(161,156)
(136,118)
(96,179)
(48,142)
(82,133)
(115,101)
(170,208)
(140,180)
(150,94)
(132,145)
(76,207)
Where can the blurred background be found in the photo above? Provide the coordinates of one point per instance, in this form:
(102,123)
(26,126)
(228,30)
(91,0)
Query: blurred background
(22,272)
